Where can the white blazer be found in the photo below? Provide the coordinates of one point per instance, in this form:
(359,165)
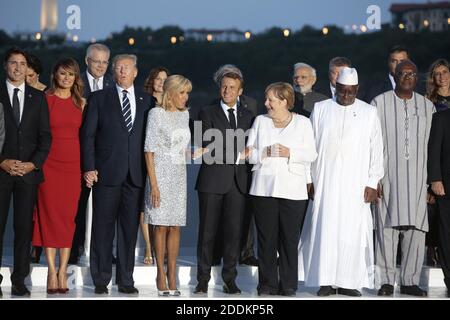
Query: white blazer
(282,177)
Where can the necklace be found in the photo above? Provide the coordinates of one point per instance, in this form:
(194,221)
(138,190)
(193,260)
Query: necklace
(282,123)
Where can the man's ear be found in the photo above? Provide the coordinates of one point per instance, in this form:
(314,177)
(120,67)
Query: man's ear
(313,82)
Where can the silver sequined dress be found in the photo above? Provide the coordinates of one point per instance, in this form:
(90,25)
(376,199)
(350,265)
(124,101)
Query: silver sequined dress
(168,136)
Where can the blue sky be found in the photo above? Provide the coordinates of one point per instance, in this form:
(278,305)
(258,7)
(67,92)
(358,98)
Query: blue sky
(101,17)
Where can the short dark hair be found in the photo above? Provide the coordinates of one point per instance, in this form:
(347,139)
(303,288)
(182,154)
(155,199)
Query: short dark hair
(12,51)
(339,62)
(233,75)
(398,48)
(34,63)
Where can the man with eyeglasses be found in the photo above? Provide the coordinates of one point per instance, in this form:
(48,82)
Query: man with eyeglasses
(402,210)
(95,78)
(304,79)
(97,60)
(336,245)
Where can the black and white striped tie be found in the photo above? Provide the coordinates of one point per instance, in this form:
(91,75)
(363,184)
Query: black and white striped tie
(126,111)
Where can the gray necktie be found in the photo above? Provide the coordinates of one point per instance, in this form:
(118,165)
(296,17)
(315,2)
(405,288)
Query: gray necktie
(95,85)
(16,105)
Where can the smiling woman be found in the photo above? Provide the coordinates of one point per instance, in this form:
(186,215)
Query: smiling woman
(58,195)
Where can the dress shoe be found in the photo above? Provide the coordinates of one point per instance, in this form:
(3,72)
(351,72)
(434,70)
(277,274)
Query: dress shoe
(349,292)
(413,291)
(231,288)
(128,289)
(20,290)
(202,287)
(386,290)
(250,261)
(287,292)
(265,291)
(325,291)
(63,290)
(101,290)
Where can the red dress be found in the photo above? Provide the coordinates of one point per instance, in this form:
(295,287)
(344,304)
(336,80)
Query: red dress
(58,195)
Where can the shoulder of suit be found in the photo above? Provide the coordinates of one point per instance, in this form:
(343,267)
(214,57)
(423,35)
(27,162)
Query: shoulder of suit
(30,92)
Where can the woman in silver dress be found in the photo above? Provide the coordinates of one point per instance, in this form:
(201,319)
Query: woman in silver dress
(166,142)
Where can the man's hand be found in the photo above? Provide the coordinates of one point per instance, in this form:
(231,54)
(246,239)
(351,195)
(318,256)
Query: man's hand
(438,188)
(11,166)
(310,189)
(431,199)
(25,167)
(91,177)
(370,195)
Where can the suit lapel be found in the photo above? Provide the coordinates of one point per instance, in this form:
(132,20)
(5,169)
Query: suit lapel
(139,109)
(241,114)
(28,98)
(222,117)
(7,104)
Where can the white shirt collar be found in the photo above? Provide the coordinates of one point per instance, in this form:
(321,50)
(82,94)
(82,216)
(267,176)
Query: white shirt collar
(225,107)
(392,81)
(11,87)
(91,81)
(130,90)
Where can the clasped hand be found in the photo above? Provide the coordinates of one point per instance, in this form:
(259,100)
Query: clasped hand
(17,167)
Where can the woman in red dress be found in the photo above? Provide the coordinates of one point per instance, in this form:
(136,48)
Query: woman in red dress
(58,194)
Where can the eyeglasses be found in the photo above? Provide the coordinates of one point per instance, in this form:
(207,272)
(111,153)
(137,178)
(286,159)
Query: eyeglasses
(99,62)
(406,74)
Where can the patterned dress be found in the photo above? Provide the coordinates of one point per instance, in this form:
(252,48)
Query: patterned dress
(168,137)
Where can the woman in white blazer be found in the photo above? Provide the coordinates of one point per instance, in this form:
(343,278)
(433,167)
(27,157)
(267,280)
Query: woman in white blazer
(281,148)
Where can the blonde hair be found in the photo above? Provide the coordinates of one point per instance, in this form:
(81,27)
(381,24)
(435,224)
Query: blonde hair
(173,85)
(283,91)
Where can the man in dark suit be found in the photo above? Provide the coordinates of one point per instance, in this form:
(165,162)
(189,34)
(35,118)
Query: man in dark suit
(304,79)
(26,146)
(439,178)
(335,65)
(397,54)
(222,184)
(247,251)
(112,148)
(2,127)
(94,78)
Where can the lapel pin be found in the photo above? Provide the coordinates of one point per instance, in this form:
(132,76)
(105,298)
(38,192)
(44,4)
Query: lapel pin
(29,96)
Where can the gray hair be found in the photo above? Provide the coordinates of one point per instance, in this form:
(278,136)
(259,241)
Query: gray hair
(340,62)
(299,65)
(226,69)
(96,46)
(122,57)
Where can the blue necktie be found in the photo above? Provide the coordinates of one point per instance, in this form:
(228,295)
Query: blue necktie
(126,111)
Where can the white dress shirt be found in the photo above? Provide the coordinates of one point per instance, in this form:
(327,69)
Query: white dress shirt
(392,81)
(277,176)
(225,110)
(131,97)
(91,81)
(21,94)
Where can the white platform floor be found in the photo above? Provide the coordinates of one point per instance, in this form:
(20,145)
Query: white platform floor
(81,287)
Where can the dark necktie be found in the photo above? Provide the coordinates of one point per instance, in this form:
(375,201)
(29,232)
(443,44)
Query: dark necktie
(126,110)
(16,105)
(232,118)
